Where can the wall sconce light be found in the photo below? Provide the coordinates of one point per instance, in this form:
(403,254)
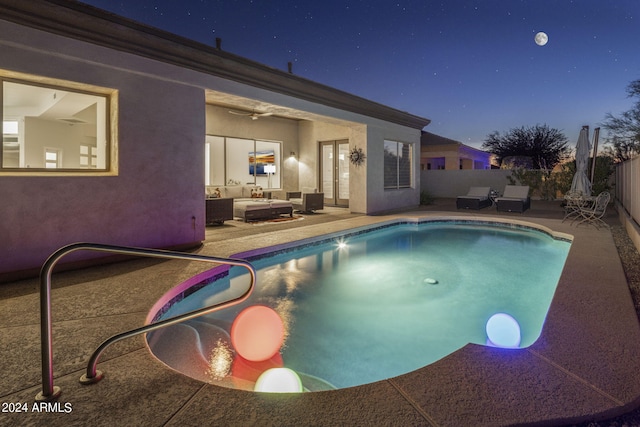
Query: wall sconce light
(292,154)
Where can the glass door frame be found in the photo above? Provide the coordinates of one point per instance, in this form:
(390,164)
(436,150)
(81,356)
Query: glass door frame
(338,169)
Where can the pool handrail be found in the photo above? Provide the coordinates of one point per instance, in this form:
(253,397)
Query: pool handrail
(49,390)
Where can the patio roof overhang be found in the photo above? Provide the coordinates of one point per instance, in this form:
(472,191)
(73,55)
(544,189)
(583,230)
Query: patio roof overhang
(87,23)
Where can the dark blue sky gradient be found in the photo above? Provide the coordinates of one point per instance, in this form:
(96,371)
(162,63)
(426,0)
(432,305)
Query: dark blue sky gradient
(472,67)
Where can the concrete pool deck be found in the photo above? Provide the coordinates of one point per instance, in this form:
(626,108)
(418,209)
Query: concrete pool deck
(586,364)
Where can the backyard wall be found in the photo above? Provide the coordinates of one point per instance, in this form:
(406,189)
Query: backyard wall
(453,183)
(628,197)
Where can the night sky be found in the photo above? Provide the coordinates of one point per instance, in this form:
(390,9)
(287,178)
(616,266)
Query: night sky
(472,67)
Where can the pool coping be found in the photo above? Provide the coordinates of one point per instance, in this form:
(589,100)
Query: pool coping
(584,367)
(549,364)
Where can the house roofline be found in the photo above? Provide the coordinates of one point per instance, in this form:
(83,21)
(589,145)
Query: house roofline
(445,141)
(87,23)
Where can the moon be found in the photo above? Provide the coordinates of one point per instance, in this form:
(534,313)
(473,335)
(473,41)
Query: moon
(541,38)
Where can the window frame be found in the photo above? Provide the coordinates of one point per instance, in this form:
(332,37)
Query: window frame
(397,185)
(110,97)
(228,145)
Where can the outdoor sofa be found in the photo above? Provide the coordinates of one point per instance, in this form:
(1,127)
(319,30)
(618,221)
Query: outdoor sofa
(249,202)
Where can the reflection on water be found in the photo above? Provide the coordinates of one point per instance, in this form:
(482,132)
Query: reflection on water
(366,311)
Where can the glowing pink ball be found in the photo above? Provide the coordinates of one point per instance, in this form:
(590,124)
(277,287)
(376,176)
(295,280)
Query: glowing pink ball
(257,333)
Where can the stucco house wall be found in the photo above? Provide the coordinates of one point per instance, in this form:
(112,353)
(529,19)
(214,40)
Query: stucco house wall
(164,91)
(160,133)
(438,152)
(311,134)
(380,199)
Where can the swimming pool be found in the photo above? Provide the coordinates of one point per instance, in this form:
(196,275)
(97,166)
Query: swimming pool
(370,304)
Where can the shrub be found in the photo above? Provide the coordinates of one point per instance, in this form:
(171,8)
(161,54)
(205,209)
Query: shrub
(426,198)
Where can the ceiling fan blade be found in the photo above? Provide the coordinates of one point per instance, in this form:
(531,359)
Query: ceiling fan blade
(240,113)
(254,115)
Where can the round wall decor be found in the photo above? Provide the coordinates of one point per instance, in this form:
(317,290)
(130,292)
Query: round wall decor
(356,156)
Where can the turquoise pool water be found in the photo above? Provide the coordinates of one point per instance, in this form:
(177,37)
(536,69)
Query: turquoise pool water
(368,310)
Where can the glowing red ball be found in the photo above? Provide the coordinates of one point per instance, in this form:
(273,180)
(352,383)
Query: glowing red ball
(257,333)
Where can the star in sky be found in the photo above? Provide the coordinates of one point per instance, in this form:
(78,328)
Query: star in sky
(471,66)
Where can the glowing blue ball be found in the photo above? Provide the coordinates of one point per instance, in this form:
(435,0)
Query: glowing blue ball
(279,380)
(503,331)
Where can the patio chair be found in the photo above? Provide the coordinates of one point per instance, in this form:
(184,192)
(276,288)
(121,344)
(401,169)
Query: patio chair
(593,214)
(307,201)
(573,202)
(514,199)
(476,198)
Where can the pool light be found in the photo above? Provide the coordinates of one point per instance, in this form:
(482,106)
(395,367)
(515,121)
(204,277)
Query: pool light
(342,244)
(257,333)
(279,380)
(503,331)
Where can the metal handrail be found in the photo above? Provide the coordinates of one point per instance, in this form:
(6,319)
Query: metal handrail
(49,391)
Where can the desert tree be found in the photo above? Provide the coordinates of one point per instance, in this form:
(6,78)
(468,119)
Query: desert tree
(533,147)
(623,141)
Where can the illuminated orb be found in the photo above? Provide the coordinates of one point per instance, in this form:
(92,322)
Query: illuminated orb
(279,380)
(342,245)
(503,331)
(257,333)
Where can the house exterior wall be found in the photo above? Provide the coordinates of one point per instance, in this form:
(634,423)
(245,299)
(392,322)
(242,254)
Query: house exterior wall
(155,199)
(380,199)
(455,156)
(438,155)
(154,195)
(311,134)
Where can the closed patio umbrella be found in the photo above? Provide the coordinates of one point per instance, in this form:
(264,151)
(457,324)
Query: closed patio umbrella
(580,181)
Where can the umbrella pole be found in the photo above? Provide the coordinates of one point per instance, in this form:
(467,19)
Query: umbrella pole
(596,135)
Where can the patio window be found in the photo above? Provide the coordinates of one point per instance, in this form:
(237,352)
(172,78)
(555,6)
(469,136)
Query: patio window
(44,118)
(240,161)
(398,168)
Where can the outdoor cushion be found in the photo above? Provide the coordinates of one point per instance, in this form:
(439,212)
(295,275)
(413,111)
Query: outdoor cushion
(516,192)
(476,198)
(482,192)
(515,199)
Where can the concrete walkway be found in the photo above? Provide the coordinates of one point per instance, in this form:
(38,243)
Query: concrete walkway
(586,364)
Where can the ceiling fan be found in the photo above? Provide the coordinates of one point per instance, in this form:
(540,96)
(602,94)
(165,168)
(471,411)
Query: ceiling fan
(254,115)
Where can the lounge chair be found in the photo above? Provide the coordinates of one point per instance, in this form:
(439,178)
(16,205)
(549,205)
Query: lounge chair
(514,199)
(308,200)
(593,214)
(476,198)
